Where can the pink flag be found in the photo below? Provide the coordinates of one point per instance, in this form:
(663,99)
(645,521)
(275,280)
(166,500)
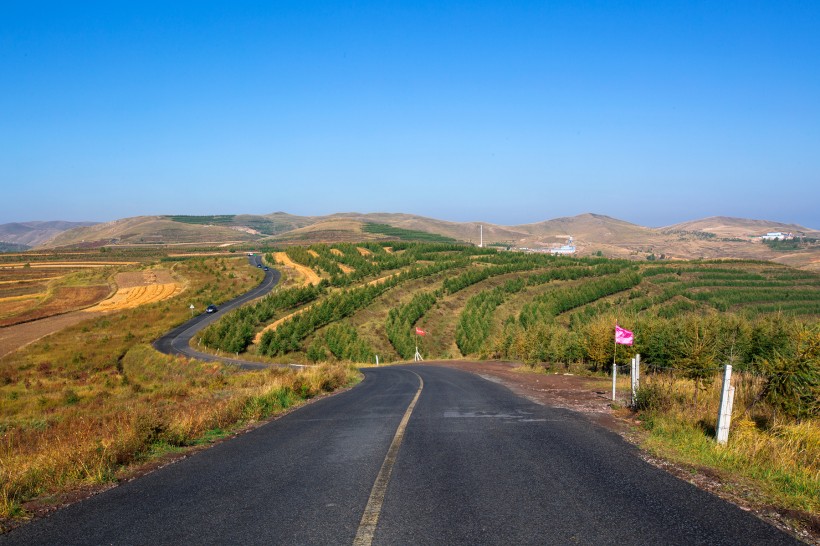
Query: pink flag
(623,336)
(420,332)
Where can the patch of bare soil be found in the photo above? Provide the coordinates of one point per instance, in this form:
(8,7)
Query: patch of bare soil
(591,397)
(308,275)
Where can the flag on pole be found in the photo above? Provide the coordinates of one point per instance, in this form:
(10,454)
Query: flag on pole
(623,336)
(420,332)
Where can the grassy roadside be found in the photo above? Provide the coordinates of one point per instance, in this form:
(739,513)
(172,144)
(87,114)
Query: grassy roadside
(86,404)
(771,462)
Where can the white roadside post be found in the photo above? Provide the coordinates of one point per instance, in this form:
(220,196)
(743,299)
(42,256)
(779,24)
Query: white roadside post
(192,309)
(633,377)
(377,360)
(727,398)
(614,376)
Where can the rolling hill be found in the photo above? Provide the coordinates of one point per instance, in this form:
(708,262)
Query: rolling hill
(716,237)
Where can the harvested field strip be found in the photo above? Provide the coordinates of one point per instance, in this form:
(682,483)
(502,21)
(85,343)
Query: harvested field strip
(128,298)
(24,297)
(313,253)
(62,300)
(309,275)
(336,252)
(346,269)
(364,252)
(24,290)
(36,279)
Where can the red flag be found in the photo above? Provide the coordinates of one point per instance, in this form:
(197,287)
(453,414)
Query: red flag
(420,332)
(623,336)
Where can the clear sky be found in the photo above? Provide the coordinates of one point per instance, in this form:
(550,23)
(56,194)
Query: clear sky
(504,112)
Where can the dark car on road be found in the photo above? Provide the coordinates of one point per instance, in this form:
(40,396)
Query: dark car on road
(211,309)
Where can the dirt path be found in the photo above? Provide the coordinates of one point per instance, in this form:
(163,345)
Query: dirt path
(310,276)
(275,324)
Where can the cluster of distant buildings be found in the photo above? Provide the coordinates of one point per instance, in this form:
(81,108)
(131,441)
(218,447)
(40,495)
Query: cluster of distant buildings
(777,236)
(568,248)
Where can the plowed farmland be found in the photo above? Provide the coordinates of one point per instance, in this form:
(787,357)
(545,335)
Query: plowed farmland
(28,293)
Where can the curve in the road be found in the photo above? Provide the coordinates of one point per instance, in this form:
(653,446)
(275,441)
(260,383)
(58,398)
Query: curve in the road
(178,340)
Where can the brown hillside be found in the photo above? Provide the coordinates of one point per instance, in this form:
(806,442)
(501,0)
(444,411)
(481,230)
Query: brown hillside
(725,226)
(147,230)
(709,238)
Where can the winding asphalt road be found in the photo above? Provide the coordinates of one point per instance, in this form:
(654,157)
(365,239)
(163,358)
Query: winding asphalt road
(177,341)
(412,455)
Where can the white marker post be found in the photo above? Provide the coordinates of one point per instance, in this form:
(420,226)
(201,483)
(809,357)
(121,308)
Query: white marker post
(377,360)
(727,399)
(614,377)
(192,310)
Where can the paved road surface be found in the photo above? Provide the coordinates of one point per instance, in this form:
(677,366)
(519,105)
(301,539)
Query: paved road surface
(477,465)
(177,340)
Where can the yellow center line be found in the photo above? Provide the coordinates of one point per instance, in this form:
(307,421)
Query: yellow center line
(367,527)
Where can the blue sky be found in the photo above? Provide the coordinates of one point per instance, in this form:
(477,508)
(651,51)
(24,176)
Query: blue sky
(651,112)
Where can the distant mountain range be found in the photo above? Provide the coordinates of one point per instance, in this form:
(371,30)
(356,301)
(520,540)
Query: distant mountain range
(715,237)
(31,234)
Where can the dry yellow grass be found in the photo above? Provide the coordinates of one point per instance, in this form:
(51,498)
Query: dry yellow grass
(313,253)
(364,252)
(309,275)
(336,252)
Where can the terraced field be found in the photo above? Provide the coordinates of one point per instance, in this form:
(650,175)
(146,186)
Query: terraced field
(482,302)
(36,290)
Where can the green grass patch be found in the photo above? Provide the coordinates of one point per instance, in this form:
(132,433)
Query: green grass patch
(216,220)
